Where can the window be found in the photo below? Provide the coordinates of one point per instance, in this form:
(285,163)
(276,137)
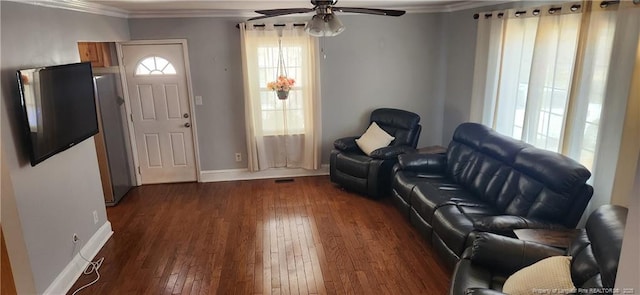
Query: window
(540,56)
(155,65)
(277,113)
(551,79)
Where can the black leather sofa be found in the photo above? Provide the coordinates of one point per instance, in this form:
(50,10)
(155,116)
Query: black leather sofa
(595,253)
(487,182)
(371,175)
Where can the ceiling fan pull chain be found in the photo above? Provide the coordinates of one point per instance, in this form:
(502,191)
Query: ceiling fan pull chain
(324,55)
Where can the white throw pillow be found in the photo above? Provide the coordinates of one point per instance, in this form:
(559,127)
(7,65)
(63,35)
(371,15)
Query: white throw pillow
(546,275)
(373,139)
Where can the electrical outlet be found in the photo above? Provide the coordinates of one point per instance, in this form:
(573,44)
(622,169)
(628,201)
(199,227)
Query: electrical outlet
(238,157)
(95,217)
(75,238)
(198,100)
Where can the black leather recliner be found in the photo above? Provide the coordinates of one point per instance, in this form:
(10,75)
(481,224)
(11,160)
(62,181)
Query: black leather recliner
(371,175)
(486,265)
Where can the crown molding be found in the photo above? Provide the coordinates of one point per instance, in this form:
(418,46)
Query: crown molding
(461,5)
(78,5)
(464,5)
(191,13)
(95,8)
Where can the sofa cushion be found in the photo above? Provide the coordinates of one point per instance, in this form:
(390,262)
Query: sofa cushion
(533,199)
(373,139)
(556,171)
(403,183)
(471,134)
(548,274)
(544,184)
(428,196)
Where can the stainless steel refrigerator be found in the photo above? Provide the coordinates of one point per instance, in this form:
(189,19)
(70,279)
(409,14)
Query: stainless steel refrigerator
(113,145)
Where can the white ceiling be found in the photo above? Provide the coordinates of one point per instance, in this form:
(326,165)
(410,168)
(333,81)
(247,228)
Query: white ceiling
(250,5)
(245,8)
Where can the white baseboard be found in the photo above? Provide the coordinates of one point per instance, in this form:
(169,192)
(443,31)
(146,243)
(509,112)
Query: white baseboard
(70,274)
(244,174)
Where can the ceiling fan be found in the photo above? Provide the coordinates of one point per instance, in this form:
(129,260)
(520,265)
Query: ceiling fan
(324,23)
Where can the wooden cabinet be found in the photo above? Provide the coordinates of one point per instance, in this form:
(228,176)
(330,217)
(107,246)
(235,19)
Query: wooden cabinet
(98,53)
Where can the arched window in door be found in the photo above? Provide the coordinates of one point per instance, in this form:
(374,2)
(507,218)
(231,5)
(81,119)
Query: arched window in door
(155,65)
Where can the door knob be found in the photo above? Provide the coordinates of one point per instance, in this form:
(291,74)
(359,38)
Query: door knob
(186,115)
(187,124)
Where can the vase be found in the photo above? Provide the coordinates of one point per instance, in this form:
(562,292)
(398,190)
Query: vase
(283,94)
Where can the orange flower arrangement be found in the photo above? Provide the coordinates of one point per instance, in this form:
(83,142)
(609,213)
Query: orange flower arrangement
(282,84)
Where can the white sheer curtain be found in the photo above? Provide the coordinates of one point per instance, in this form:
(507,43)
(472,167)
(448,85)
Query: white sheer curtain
(280,133)
(487,68)
(552,72)
(588,93)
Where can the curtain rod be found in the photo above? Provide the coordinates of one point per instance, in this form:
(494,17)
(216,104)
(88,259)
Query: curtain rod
(275,25)
(552,10)
(605,4)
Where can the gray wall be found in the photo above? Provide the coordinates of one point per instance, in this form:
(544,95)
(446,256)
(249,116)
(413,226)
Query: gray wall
(57,197)
(376,62)
(382,62)
(460,42)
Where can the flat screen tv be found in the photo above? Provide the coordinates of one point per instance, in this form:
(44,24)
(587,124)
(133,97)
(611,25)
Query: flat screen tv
(59,108)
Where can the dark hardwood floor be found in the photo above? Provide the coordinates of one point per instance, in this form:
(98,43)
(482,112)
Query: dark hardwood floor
(262,237)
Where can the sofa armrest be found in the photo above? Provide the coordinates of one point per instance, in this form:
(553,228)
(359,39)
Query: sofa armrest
(508,255)
(346,144)
(391,152)
(506,223)
(480,291)
(423,163)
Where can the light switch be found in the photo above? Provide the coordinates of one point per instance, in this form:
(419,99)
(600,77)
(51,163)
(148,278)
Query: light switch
(198,100)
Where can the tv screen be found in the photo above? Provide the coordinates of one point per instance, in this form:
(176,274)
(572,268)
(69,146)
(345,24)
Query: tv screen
(59,108)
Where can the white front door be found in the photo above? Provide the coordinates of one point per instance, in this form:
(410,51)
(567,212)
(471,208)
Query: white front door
(162,121)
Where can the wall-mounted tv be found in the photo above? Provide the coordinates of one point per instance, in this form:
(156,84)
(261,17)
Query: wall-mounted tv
(59,108)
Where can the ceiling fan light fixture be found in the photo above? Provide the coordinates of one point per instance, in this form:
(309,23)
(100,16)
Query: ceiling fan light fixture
(334,25)
(315,27)
(324,23)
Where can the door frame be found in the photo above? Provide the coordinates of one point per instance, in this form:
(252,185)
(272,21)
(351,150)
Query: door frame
(127,100)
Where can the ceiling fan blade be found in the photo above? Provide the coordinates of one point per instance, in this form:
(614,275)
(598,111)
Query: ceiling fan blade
(279,12)
(261,17)
(375,11)
(276,12)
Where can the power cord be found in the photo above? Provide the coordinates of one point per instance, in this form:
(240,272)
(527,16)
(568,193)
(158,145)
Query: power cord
(93,266)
